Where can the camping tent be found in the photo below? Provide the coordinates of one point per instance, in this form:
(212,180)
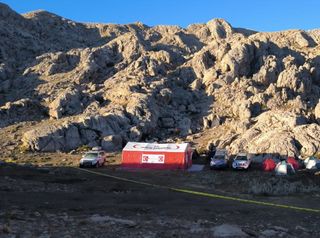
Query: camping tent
(312,163)
(157,156)
(268,165)
(284,168)
(293,162)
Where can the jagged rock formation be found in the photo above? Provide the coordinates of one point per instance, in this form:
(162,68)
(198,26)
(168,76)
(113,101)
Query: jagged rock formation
(105,84)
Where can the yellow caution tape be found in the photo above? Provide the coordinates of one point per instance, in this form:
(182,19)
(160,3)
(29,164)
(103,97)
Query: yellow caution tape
(204,194)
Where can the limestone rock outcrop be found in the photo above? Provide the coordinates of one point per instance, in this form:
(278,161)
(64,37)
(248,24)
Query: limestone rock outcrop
(105,84)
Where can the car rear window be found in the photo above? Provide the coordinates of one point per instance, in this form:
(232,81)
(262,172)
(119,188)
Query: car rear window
(219,157)
(241,158)
(91,155)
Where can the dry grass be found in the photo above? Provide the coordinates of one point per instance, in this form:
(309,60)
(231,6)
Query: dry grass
(23,148)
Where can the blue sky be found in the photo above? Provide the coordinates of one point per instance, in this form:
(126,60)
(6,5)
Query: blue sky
(261,15)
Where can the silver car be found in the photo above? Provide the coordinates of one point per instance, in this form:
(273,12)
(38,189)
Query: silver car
(93,158)
(242,161)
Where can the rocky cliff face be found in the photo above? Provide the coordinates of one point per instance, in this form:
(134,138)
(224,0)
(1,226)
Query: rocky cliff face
(105,84)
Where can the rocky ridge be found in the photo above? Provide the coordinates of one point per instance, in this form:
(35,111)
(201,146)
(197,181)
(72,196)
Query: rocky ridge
(105,84)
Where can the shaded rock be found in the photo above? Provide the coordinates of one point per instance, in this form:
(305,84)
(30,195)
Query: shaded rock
(21,110)
(191,108)
(68,135)
(165,96)
(307,136)
(167,122)
(238,60)
(5,86)
(67,103)
(184,126)
(88,135)
(144,113)
(108,124)
(200,30)
(272,133)
(201,62)
(112,143)
(52,138)
(211,121)
(303,40)
(135,134)
(242,110)
(196,84)
(268,73)
(296,79)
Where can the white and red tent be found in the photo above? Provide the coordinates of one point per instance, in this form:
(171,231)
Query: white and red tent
(157,156)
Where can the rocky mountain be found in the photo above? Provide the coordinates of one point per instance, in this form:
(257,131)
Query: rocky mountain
(68,84)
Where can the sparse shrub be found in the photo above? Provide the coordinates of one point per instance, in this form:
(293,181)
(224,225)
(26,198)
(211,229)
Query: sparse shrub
(264,107)
(9,160)
(23,148)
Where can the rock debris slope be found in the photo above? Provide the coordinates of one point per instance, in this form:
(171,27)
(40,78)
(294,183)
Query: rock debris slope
(105,84)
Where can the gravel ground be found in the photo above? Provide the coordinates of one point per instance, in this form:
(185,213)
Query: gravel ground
(65,202)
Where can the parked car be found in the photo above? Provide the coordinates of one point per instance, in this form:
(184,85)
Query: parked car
(219,160)
(241,161)
(93,158)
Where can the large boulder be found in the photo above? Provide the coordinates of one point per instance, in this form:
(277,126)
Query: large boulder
(54,63)
(105,125)
(202,61)
(66,136)
(50,138)
(242,110)
(308,137)
(219,28)
(302,39)
(143,112)
(268,72)
(66,103)
(273,132)
(297,79)
(237,62)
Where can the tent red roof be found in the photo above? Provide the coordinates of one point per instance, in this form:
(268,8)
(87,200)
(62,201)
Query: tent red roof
(293,162)
(268,165)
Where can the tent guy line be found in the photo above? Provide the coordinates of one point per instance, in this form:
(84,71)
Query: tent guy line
(203,194)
